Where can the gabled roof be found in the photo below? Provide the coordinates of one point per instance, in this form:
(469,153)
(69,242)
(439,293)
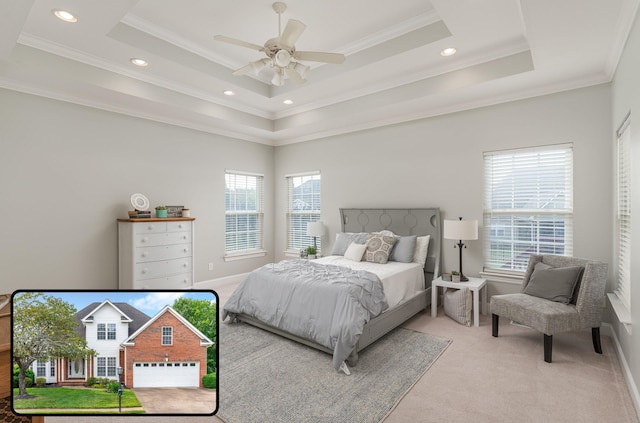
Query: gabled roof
(128,313)
(204,341)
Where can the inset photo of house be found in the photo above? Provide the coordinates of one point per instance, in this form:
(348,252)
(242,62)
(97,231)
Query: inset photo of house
(114,352)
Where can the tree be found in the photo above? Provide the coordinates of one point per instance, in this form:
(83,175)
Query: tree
(201,314)
(44,327)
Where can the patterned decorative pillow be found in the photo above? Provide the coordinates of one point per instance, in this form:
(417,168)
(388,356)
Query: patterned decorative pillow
(379,247)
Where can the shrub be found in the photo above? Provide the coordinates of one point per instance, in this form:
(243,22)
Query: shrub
(92,381)
(210,380)
(40,382)
(28,377)
(113,387)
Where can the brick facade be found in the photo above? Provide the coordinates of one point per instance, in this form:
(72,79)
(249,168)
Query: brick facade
(148,347)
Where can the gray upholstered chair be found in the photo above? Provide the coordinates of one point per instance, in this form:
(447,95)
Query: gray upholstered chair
(583,309)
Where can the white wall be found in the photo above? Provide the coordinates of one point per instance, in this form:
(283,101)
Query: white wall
(66,175)
(626,97)
(438,162)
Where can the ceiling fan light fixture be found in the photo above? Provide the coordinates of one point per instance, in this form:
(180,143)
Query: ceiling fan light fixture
(278,78)
(282,58)
(303,70)
(258,65)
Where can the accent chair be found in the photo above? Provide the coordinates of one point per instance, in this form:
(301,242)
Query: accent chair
(558,294)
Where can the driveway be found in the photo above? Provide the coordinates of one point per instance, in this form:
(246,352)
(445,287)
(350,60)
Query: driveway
(177,400)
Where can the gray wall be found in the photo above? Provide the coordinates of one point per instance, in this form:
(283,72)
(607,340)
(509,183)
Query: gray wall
(438,162)
(626,97)
(67,172)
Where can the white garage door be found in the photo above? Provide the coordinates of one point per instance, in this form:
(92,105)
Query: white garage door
(165,375)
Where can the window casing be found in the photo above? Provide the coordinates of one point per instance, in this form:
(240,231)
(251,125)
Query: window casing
(303,206)
(623,215)
(41,370)
(244,213)
(102,331)
(528,205)
(167,335)
(101,367)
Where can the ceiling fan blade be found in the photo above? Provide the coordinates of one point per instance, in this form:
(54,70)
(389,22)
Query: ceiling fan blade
(240,43)
(292,32)
(317,56)
(295,76)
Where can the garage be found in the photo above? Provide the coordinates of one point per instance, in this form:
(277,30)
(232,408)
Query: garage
(166,374)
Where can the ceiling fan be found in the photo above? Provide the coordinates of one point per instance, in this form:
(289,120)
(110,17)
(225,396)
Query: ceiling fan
(281,52)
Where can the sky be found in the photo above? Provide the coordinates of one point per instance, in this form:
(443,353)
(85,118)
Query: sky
(148,302)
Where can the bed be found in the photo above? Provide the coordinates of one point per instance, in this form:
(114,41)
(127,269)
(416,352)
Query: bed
(405,286)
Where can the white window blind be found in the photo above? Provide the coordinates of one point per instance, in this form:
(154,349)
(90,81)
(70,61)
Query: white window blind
(528,205)
(303,206)
(623,188)
(244,213)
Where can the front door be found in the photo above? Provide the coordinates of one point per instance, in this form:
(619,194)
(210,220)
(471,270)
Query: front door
(76,368)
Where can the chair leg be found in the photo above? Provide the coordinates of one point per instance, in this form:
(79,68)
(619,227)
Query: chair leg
(494,324)
(548,344)
(595,335)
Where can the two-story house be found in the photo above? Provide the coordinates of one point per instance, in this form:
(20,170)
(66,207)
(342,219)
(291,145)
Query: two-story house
(161,351)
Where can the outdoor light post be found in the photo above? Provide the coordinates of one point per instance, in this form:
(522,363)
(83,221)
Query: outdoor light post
(120,390)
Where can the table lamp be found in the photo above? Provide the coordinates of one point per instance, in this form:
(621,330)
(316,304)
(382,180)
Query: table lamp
(462,230)
(315,229)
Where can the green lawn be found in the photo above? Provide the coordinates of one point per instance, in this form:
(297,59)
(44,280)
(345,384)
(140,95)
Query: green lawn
(52,398)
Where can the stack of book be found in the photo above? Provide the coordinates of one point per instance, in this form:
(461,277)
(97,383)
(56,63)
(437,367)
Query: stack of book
(140,214)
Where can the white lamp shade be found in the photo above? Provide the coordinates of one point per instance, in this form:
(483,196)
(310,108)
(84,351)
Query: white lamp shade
(461,229)
(315,228)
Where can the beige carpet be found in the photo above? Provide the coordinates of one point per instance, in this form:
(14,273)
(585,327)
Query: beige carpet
(483,379)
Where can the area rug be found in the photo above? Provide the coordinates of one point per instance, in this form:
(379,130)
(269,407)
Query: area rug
(6,414)
(267,378)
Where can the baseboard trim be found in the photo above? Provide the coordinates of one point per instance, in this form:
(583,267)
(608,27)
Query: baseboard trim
(219,282)
(607,329)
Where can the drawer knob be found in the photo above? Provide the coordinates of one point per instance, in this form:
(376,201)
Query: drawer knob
(151,227)
(145,254)
(145,270)
(184,265)
(145,239)
(180,225)
(186,250)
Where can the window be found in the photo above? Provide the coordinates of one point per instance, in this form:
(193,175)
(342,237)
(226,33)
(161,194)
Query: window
(53,368)
(167,335)
(102,366)
(303,206)
(102,331)
(244,213)
(111,331)
(623,215)
(528,205)
(41,370)
(111,366)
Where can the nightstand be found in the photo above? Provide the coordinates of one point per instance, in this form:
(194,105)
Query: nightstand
(477,287)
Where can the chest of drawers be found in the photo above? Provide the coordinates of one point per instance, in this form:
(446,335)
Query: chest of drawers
(155,253)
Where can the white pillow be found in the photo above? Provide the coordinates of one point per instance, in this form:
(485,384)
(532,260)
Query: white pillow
(355,251)
(422,247)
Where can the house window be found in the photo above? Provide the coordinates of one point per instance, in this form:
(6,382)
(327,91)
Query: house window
(41,369)
(167,335)
(303,206)
(623,215)
(52,370)
(528,205)
(111,331)
(102,366)
(102,332)
(111,366)
(244,214)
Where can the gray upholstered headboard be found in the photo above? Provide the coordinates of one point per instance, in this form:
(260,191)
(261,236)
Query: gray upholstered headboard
(401,222)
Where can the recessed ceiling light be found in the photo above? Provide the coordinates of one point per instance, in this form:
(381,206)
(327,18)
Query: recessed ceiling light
(139,62)
(450,51)
(64,15)
(229,93)
(287,101)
